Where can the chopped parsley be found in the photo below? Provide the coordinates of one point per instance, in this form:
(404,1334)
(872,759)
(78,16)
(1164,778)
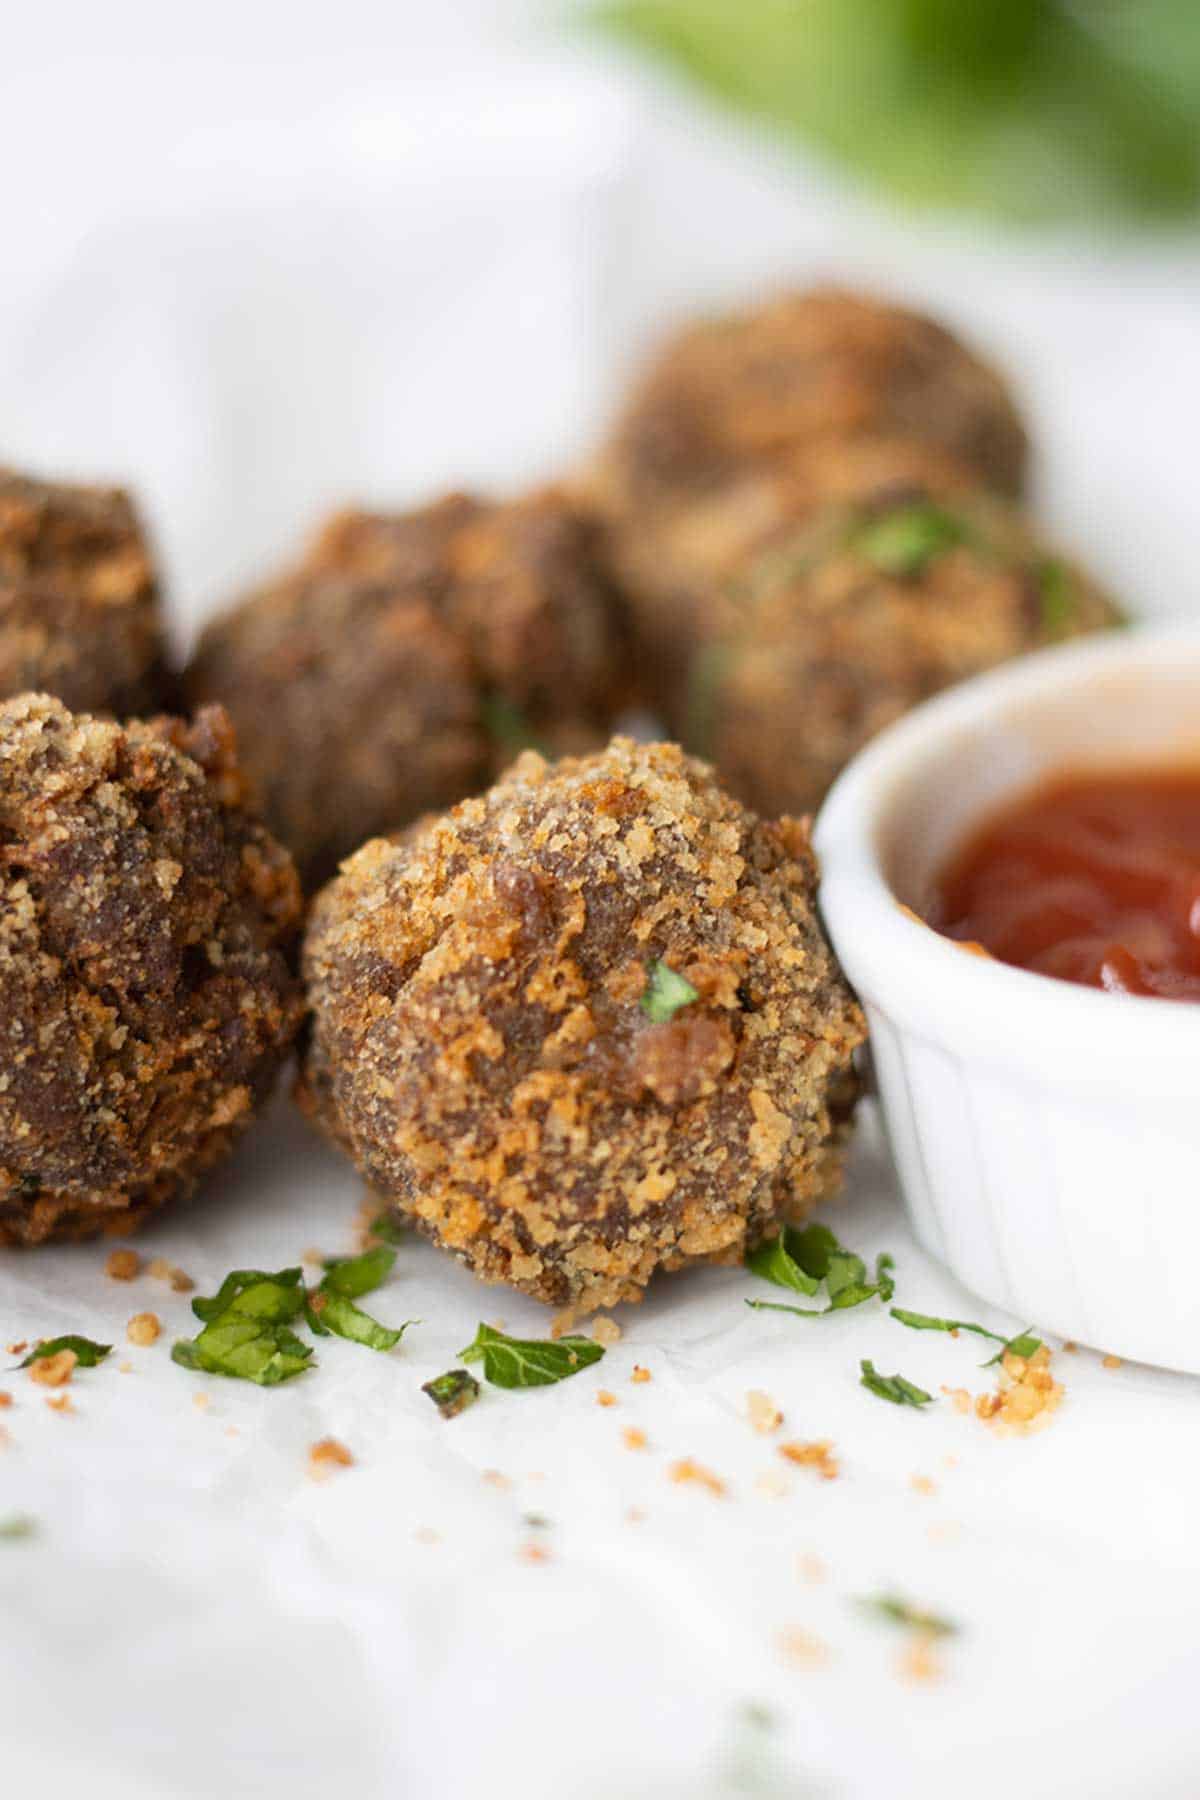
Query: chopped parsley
(914,1618)
(666,993)
(808,1260)
(529,1362)
(86,1351)
(386,1227)
(1024,1344)
(903,541)
(247,1329)
(892,1387)
(452,1392)
(1057,596)
(331,1308)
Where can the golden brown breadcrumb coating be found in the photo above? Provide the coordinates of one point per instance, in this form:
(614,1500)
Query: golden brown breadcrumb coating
(480,1047)
(146,997)
(79,607)
(858,615)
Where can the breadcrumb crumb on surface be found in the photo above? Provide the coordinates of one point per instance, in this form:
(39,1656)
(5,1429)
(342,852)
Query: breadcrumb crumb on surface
(18,1348)
(605,1331)
(327,1454)
(605,1398)
(688,1470)
(495,1479)
(123,1265)
(1110,1361)
(534,1553)
(772,1484)
(634,1438)
(144,1328)
(803,1648)
(765,1417)
(640,1374)
(53,1371)
(6,1398)
(811,1568)
(922,1484)
(60,1403)
(816,1455)
(201,1402)
(919,1662)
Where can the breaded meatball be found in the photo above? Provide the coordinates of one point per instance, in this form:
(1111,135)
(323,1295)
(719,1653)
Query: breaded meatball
(680,565)
(585,1026)
(808,367)
(847,623)
(523,586)
(79,608)
(355,702)
(146,994)
(407,658)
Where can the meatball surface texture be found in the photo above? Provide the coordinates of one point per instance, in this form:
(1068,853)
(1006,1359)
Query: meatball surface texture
(146,995)
(482,1046)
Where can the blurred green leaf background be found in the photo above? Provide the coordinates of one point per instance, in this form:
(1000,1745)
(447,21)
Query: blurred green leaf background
(1028,110)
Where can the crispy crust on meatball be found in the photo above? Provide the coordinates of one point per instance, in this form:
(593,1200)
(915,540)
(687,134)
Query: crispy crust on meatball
(146,994)
(825,364)
(79,606)
(480,1047)
(409,657)
(845,624)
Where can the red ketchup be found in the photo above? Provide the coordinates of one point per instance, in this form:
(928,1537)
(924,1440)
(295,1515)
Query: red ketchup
(1092,878)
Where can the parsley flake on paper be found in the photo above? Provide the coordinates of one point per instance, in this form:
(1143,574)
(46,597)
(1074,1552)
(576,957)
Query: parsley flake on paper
(1024,1344)
(896,1611)
(809,1259)
(452,1392)
(86,1351)
(247,1329)
(529,1362)
(330,1307)
(892,1387)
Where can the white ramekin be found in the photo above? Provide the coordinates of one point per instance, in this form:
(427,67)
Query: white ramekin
(1046,1135)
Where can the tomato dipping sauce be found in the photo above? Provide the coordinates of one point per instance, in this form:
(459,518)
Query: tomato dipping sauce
(1092,878)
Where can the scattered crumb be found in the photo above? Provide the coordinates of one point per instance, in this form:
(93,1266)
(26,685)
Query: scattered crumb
(5,1398)
(143,1328)
(803,1649)
(425,1534)
(765,1416)
(536,1521)
(1070,1346)
(159,1268)
(604,1398)
(639,1374)
(328,1454)
(918,1662)
(533,1553)
(125,1368)
(959,1398)
(233,1431)
(635,1515)
(16,1349)
(313,1256)
(949,1462)
(5,1437)
(202,1402)
(180,1283)
(59,1403)
(1032,1395)
(495,1479)
(772,1485)
(817,1455)
(605,1331)
(1110,1362)
(176,1279)
(634,1438)
(687,1469)
(123,1265)
(53,1371)
(922,1484)
(810,1568)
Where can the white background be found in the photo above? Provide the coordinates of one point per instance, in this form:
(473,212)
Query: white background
(258,258)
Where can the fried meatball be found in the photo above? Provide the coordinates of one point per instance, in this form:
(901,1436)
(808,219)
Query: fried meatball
(821,365)
(146,994)
(407,658)
(679,568)
(79,608)
(522,584)
(845,624)
(487,1046)
(355,702)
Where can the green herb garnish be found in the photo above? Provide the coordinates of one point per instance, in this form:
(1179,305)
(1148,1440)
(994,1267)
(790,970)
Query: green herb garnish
(913,1618)
(331,1308)
(508,727)
(530,1362)
(1024,1344)
(87,1352)
(903,542)
(387,1228)
(666,993)
(1058,596)
(452,1392)
(247,1333)
(892,1387)
(17,1526)
(809,1259)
